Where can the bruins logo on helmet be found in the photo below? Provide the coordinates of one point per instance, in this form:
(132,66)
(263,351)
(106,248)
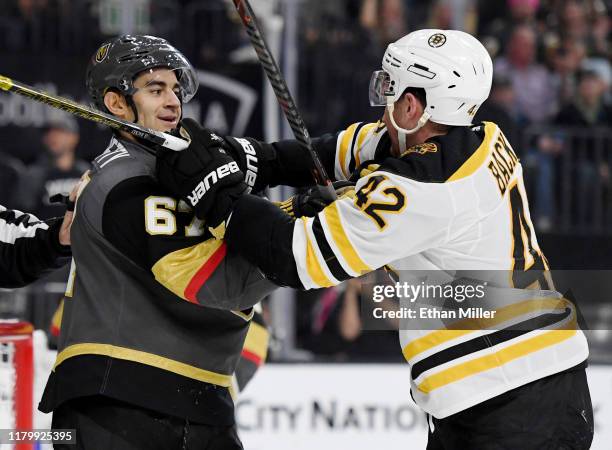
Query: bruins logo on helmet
(102,53)
(421,149)
(437,40)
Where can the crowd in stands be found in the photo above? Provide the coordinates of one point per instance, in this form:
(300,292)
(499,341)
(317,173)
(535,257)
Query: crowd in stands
(551,96)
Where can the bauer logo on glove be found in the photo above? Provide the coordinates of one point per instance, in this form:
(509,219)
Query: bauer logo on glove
(211,179)
(203,174)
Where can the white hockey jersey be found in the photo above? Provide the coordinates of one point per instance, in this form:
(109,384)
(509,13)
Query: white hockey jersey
(457,202)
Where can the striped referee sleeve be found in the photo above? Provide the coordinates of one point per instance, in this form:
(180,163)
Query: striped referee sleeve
(28,248)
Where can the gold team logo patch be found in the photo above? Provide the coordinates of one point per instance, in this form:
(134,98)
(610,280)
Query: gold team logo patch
(102,53)
(472,111)
(437,40)
(421,149)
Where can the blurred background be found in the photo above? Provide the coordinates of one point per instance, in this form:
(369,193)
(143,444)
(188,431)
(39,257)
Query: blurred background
(551,96)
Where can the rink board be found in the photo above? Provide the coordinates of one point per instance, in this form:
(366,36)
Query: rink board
(357,407)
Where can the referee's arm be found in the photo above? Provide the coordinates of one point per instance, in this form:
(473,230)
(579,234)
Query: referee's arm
(28,247)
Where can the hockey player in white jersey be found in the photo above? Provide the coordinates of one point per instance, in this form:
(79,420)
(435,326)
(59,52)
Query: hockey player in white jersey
(433,192)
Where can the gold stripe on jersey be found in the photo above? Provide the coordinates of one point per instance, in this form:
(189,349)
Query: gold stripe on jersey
(497,359)
(339,237)
(478,157)
(363,134)
(463,327)
(345,143)
(244,315)
(71,279)
(431,340)
(364,172)
(256,341)
(534,242)
(176,270)
(315,271)
(56,320)
(149,359)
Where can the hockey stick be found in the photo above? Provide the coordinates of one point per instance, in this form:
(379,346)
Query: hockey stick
(156,137)
(283,95)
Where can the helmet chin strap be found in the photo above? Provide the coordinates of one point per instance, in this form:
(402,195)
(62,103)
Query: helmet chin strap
(402,132)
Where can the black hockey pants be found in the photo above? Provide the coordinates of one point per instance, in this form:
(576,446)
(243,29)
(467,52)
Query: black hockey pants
(553,413)
(102,423)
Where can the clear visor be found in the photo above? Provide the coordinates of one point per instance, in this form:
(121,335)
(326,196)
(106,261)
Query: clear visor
(188,80)
(182,80)
(380,88)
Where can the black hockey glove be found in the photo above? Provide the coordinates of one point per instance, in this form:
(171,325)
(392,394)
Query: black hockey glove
(313,201)
(203,174)
(254,158)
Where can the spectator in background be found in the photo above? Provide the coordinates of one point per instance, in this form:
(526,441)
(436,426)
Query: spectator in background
(335,53)
(56,170)
(600,32)
(11,174)
(441,15)
(533,84)
(335,328)
(566,61)
(499,108)
(574,23)
(588,110)
(502,21)
(385,18)
(448,14)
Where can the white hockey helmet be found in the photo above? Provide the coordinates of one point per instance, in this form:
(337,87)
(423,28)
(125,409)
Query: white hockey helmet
(453,68)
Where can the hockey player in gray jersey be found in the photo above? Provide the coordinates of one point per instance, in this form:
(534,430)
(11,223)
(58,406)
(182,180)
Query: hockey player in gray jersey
(145,355)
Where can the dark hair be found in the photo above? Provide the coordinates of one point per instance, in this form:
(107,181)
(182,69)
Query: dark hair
(419,93)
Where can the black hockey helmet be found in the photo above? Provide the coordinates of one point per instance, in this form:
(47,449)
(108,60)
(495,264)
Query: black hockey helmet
(117,62)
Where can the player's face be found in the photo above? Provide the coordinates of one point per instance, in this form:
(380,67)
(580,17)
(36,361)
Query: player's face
(157,99)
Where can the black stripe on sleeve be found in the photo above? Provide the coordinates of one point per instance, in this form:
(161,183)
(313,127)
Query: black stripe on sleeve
(352,148)
(330,258)
(483,342)
(383,148)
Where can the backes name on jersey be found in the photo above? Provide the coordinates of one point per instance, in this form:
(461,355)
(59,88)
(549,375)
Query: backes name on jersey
(210,179)
(503,162)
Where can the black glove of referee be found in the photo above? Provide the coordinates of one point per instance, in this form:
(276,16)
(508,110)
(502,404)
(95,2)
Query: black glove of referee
(203,174)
